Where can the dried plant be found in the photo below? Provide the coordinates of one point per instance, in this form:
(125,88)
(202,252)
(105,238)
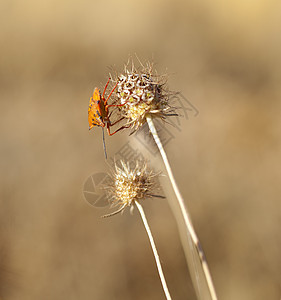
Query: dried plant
(130,185)
(128,188)
(142,95)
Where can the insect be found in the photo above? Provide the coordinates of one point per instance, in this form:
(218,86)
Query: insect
(98,113)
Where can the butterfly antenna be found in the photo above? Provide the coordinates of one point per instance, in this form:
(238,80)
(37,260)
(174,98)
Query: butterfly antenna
(103,140)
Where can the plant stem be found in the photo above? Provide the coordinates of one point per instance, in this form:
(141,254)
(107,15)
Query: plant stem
(156,256)
(186,217)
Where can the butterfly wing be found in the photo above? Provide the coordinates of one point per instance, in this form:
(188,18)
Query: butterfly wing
(94,111)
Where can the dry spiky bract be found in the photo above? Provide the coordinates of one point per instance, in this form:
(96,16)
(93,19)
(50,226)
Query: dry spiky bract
(130,185)
(141,93)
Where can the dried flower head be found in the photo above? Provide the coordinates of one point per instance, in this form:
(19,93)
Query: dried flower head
(130,185)
(140,93)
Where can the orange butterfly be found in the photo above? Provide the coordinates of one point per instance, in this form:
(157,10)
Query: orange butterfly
(98,114)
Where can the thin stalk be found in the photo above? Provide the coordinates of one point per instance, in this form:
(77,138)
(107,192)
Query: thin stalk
(186,217)
(156,256)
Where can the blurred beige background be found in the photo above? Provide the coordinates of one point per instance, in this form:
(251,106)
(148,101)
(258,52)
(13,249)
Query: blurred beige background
(225,58)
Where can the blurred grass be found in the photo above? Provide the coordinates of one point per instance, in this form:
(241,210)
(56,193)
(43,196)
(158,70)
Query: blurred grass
(225,58)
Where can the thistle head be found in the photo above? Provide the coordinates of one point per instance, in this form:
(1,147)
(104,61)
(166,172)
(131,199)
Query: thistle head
(130,185)
(140,93)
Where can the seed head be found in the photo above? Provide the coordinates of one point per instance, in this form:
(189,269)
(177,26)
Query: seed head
(130,185)
(140,93)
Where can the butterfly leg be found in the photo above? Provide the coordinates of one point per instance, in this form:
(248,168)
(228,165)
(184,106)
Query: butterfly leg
(105,101)
(122,127)
(105,87)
